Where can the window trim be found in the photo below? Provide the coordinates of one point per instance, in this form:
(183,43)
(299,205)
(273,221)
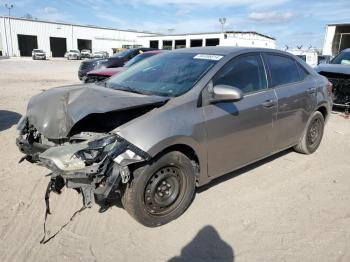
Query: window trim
(240,56)
(264,55)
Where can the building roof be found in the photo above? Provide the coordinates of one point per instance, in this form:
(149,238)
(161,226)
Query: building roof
(212,33)
(345,24)
(135,31)
(71,24)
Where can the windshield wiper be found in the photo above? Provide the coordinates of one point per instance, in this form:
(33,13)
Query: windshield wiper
(127,88)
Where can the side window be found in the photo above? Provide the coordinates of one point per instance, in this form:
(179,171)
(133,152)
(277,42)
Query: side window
(246,73)
(302,72)
(283,70)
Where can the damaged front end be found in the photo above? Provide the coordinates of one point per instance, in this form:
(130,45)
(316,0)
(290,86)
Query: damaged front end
(92,163)
(341,88)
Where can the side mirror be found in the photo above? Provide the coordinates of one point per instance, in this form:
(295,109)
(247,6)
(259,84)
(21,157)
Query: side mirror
(225,93)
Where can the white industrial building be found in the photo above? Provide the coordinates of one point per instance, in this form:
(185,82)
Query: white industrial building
(18,37)
(229,38)
(337,38)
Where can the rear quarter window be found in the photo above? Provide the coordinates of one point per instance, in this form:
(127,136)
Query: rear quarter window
(303,73)
(283,70)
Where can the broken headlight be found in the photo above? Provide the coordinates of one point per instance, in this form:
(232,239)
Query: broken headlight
(97,149)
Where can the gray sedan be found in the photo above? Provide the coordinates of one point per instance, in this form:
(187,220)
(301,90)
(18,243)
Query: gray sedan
(172,123)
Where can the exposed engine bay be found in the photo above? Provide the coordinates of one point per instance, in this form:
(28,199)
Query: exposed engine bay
(341,88)
(83,150)
(92,163)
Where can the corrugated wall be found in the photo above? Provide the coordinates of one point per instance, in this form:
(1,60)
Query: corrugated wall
(102,39)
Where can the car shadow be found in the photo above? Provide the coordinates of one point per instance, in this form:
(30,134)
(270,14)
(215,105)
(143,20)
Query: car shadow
(8,119)
(207,245)
(242,170)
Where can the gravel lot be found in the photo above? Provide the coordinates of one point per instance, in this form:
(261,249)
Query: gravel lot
(290,207)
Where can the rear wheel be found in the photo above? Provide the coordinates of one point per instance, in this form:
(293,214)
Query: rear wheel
(312,136)
(160,191)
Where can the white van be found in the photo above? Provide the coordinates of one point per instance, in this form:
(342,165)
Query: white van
(309,56)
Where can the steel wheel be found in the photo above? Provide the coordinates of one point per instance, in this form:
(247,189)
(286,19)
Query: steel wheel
(164,190)
(161,190)
(315,133)
(312,136)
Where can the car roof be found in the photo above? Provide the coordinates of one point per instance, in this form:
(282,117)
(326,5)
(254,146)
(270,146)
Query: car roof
(154,52)
(225,50)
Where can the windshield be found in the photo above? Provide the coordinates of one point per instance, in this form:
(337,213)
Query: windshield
(38,51)
(138,58)
(170,74)
(74,51)
(342,58)
(124,54)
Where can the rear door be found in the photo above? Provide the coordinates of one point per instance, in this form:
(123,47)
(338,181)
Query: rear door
(296,93)
(240,132)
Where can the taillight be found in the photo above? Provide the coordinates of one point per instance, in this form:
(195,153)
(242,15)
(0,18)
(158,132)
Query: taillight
(330,88)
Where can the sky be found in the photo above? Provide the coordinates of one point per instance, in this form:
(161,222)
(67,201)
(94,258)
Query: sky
(291,22)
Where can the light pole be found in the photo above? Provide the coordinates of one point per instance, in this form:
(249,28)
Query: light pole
(9,7)
(222,22)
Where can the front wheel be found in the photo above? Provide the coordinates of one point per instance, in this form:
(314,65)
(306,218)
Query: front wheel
(160,191)
(312,136)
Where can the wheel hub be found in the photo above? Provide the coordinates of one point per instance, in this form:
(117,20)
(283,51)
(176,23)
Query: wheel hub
(314,132)
(162,190)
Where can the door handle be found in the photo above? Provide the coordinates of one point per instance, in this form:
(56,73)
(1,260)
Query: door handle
(269,103)
(311,90)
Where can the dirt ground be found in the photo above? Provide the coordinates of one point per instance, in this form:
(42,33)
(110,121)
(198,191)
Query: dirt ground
(290,207)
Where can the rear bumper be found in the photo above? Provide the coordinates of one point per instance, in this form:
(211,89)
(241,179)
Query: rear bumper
(40,57)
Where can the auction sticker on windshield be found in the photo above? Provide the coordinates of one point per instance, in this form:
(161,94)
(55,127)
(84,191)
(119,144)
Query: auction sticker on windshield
(208,57)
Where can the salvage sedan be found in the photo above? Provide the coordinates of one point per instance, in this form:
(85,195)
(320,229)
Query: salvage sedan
(173,123)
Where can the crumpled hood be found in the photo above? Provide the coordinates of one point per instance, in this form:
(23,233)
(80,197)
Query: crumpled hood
(334,68)
(54,112)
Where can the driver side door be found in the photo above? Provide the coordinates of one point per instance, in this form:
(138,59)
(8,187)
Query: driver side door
(239,133)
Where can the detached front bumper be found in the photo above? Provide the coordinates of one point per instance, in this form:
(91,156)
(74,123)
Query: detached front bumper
(80,167)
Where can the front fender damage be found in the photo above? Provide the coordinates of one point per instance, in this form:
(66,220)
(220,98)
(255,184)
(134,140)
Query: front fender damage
(94,177)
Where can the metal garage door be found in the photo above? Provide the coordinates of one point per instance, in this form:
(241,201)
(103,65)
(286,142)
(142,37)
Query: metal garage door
(58,46)
(26,44)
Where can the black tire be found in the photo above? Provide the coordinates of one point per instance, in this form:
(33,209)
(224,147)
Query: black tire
(160,191)
(312,136)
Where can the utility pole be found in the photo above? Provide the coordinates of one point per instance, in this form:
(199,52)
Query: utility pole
(222,22)
(9,7)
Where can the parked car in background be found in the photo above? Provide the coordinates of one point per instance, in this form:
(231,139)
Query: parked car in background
(338,72)
(85,53)
(116,60)
(100,54)
(324,59)
(38,54)
(103,74)
(174,122)
(73,55)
